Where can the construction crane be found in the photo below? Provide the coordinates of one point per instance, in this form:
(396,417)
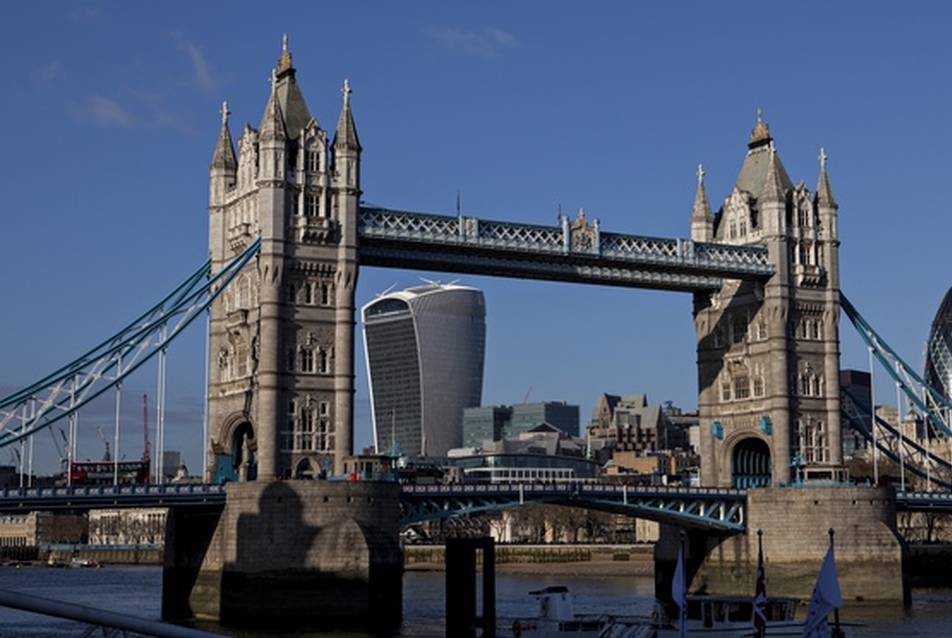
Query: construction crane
(107,456)
(147,448)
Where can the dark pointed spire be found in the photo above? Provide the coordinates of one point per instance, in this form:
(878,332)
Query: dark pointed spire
(345,137)
(773,190)
(224,157)
(702,207)
(824,194)
(272,122)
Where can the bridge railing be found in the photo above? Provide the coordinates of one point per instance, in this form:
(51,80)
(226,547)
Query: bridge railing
(380,223)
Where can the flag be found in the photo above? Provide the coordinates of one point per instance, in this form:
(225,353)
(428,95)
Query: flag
(826,597)
(760,596)
(679,592)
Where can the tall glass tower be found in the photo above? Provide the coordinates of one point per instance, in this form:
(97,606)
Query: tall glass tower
(425,348)
(939,357)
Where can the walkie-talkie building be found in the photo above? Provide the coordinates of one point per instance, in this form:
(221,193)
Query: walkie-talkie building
(424,348)
(939,356)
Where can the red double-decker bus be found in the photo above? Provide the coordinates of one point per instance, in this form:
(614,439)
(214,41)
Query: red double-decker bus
(104,472)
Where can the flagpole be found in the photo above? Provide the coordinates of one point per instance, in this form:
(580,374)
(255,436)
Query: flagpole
(760,590)
(836,610)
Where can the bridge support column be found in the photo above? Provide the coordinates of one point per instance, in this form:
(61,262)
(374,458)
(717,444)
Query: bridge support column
(795,522)
(298,554)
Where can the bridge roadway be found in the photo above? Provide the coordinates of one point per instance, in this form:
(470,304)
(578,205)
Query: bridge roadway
(719,510)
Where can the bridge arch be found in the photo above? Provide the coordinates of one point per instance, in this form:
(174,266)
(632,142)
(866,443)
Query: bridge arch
(750,463)
(235,454)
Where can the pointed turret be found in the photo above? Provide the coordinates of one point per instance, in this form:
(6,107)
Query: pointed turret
(702,221)
(272,122)
(345,137)
(346,146)
(288,94)
(753,173)
(224,156)
(224,167)
(773,189)
(824,194)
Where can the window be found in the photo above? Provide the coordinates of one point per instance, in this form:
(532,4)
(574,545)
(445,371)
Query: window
(307,359)
(325,294)
(726,391)
(738,328)
(742,387)
(313,161)
(311,205)
(322,362)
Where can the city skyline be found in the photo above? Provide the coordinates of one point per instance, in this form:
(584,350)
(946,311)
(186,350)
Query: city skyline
(506,112)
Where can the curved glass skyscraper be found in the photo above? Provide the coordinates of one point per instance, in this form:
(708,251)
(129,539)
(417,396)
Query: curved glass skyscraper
(939,355)
(424,348)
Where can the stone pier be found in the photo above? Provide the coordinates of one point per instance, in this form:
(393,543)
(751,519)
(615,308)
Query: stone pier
(293,554)
(795,522)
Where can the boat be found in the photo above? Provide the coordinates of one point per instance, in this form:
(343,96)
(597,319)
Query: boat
(714,616)
(83,562)
(557,618)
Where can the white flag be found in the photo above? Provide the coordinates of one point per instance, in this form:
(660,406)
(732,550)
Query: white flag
(826,597)
(679,593)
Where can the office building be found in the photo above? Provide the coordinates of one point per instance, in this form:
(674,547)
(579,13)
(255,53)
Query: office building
(425,348)
(939,356)
(499,422)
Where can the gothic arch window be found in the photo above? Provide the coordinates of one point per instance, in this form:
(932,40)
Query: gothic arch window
(725,390)
(306,289)
(325,294)
(718,335)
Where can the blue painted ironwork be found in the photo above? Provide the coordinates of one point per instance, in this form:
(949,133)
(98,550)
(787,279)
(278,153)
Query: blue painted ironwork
(66,390)
(403,239)
(933,404)
(715,509)
(721,510)
(85,497)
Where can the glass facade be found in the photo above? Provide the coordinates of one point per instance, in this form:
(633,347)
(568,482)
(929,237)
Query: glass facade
(938,372)
(425,350)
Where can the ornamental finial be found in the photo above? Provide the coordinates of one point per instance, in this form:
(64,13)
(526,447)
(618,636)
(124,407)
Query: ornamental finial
(224,113)
(761,131)
(700,175)
(284,64)
(346,91)
(822,159)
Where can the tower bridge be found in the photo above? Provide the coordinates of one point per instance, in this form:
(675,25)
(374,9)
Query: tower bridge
(285,203)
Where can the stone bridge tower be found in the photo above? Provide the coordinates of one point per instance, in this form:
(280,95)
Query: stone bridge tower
(768,352)
(281,374)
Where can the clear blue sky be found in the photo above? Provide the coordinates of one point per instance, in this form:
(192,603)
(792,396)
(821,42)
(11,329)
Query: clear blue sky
(111,113)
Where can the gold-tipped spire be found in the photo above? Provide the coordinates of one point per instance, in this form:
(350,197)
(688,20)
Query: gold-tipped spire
(761,132)
(284,64)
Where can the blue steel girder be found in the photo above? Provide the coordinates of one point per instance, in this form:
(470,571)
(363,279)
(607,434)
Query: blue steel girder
(714,509)
(402,239)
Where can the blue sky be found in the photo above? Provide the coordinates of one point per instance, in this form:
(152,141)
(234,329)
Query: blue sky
(111,113)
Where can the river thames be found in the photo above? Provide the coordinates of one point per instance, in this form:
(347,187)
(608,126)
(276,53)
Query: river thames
(137,591)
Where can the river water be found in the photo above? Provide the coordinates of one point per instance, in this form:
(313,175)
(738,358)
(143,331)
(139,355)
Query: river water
(137,591)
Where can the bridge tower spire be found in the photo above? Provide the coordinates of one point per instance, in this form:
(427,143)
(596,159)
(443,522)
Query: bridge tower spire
(768,351)
(281,377)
